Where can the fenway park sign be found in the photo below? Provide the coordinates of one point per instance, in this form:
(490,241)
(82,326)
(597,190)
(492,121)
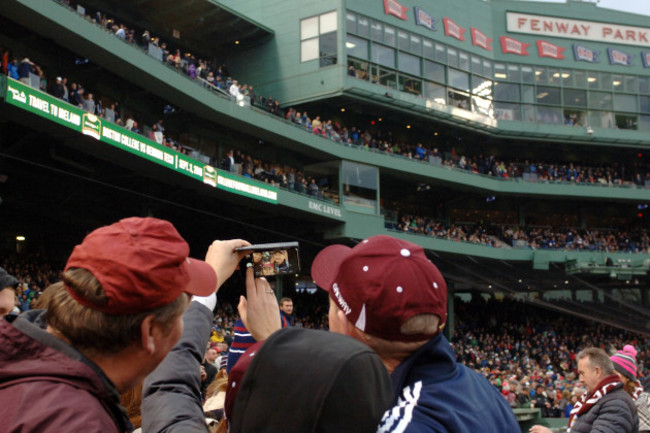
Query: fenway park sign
(577,29)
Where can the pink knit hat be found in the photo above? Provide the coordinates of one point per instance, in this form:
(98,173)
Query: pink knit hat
(625,362)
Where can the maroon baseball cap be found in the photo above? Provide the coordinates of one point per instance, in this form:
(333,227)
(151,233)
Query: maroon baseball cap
(381,283)
(142,264)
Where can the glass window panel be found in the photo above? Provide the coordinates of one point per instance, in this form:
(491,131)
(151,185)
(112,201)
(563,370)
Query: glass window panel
(428,49)
(644,123)
(377,31)
(361,69)
(416,45)
(487,68)
(541,75)
(477,67)
(505,111)
(631,84)
(644,104)
(550,115)
(389,36)
(328,49)
(575,97)
(410,85)
(506,92)
(359,183)
(434,71)
(600,100)
(528,94)
(513,73)
(606,82)
(624,103)
(482,87)
(463,59)
(435,92)
(459,79)
(441,53)
(580,79)
(527,74)
(568,79)
(351,22)
(529,113)
(408,63)
(309,50)
(328,22)
(483,106)
(618,83)
(602,119)
(357,47)
(383,55)
(452,57)
(593,80)
(548,95)
(308,28)
(402,40)
(644,85)
(363,26)
(500,72)
(554,76)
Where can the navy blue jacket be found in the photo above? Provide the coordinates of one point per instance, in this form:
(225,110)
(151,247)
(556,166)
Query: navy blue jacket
(436,394)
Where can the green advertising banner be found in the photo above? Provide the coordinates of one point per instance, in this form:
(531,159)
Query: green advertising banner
(51,108)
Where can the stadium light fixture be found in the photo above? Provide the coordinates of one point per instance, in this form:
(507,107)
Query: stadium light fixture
(20,238)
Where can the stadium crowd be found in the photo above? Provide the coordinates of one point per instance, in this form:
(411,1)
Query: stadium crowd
(633,240)
(523,350)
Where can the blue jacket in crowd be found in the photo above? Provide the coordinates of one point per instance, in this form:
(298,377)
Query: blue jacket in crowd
(436,394)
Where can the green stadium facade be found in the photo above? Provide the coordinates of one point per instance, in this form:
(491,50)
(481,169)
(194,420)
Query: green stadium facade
(526,81)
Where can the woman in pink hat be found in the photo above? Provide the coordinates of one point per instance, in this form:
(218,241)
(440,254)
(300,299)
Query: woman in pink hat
(625,365)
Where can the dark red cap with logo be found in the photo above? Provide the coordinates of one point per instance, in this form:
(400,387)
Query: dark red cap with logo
(142,264)
(381,283)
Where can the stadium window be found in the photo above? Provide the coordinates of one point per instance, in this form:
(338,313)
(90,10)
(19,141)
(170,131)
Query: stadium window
(318,38)
(575,97)
(644,104)
(631,84)
(581,79)
(416,45)
(452,57)
(441,53)
(351,20)
(477,67)
(506,92)
(408,63)
(513,73)
(389,36)
(459,79)
(363,26)
(434,71)
(644,85)
(382,55)
(625,103)
(463,61)
(600,100)
(527,75)
(357,47)
(429,52)
(402,40)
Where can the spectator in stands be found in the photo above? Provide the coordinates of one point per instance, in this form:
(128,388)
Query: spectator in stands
(104,330)
(8,285)
(12,69)
(88,104)
(286,309)
(57,89)
(605,407)
(626,369)
(209,368)
(25,68)
(386,293)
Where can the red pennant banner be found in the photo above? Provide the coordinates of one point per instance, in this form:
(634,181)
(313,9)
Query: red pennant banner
(547,49)
(454,30)
(513,46)
(393,7)
(480,40)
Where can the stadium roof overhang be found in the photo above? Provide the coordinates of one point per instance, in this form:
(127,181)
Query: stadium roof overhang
(203,26)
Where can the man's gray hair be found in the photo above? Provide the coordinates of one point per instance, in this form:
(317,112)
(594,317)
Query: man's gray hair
(597,358)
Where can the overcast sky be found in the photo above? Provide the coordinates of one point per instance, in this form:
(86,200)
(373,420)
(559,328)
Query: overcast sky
(634,6)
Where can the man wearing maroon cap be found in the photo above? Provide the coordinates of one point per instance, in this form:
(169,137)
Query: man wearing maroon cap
(112,319)
(385,293)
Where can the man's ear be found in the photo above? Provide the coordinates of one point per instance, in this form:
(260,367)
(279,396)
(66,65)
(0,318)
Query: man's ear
(148,333)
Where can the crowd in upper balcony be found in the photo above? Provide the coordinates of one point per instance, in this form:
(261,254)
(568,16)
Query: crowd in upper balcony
(634,240)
